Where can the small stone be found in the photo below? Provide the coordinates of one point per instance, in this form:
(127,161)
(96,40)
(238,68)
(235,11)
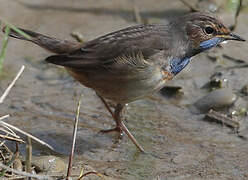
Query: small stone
(216,81)
(170,91)
(78,36)
(244,90)
(49,164)
(216,99)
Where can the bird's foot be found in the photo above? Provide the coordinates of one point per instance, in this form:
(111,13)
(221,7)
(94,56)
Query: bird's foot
(116,129)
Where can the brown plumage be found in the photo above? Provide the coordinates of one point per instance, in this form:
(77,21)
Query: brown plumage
(128,64)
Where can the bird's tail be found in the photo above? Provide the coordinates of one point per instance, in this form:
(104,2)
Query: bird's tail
(51,44)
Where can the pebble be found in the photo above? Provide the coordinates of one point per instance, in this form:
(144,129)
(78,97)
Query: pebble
(78,36)
(49,164)
(216,99)
(171,91)
(244,90)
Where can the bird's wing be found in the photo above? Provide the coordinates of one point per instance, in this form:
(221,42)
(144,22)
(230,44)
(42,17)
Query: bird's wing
(142,40)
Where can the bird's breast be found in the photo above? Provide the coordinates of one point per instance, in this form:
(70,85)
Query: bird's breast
(124,87)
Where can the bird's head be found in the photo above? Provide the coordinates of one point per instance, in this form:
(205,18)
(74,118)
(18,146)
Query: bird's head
(205,31)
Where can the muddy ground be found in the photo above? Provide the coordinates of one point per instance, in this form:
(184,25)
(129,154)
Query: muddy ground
(180,142)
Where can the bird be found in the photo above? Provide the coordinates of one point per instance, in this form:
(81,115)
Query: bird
(129,64)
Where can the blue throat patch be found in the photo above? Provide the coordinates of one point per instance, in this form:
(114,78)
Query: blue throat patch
(210,43)
(177,64)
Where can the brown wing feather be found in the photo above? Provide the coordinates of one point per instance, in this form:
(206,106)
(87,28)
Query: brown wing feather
(51,44)
(145,39)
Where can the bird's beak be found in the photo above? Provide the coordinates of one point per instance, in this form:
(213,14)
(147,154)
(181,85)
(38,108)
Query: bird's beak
(231,36)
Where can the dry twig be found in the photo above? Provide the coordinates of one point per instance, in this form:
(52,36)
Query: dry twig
(28,156)
(73,139)
(137,15)
(191,7)
(4,117)
(11,84)
(233,27)
(91,172)
(10,135)
(11,138)
(26,134)
(11,161)
(222,118)
(24,173)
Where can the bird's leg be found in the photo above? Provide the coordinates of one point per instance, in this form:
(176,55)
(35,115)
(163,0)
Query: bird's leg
(120,126)
(106,105)
(118,114)
(128,133)
(113,114)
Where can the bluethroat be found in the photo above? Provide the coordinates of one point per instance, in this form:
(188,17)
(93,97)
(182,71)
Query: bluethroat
(128,64)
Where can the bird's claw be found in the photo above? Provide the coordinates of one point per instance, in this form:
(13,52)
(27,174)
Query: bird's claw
(116,129)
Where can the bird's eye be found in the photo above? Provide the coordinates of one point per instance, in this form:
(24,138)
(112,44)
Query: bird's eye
(209,30)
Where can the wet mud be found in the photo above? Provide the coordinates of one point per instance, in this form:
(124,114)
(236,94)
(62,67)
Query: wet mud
(179,142)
